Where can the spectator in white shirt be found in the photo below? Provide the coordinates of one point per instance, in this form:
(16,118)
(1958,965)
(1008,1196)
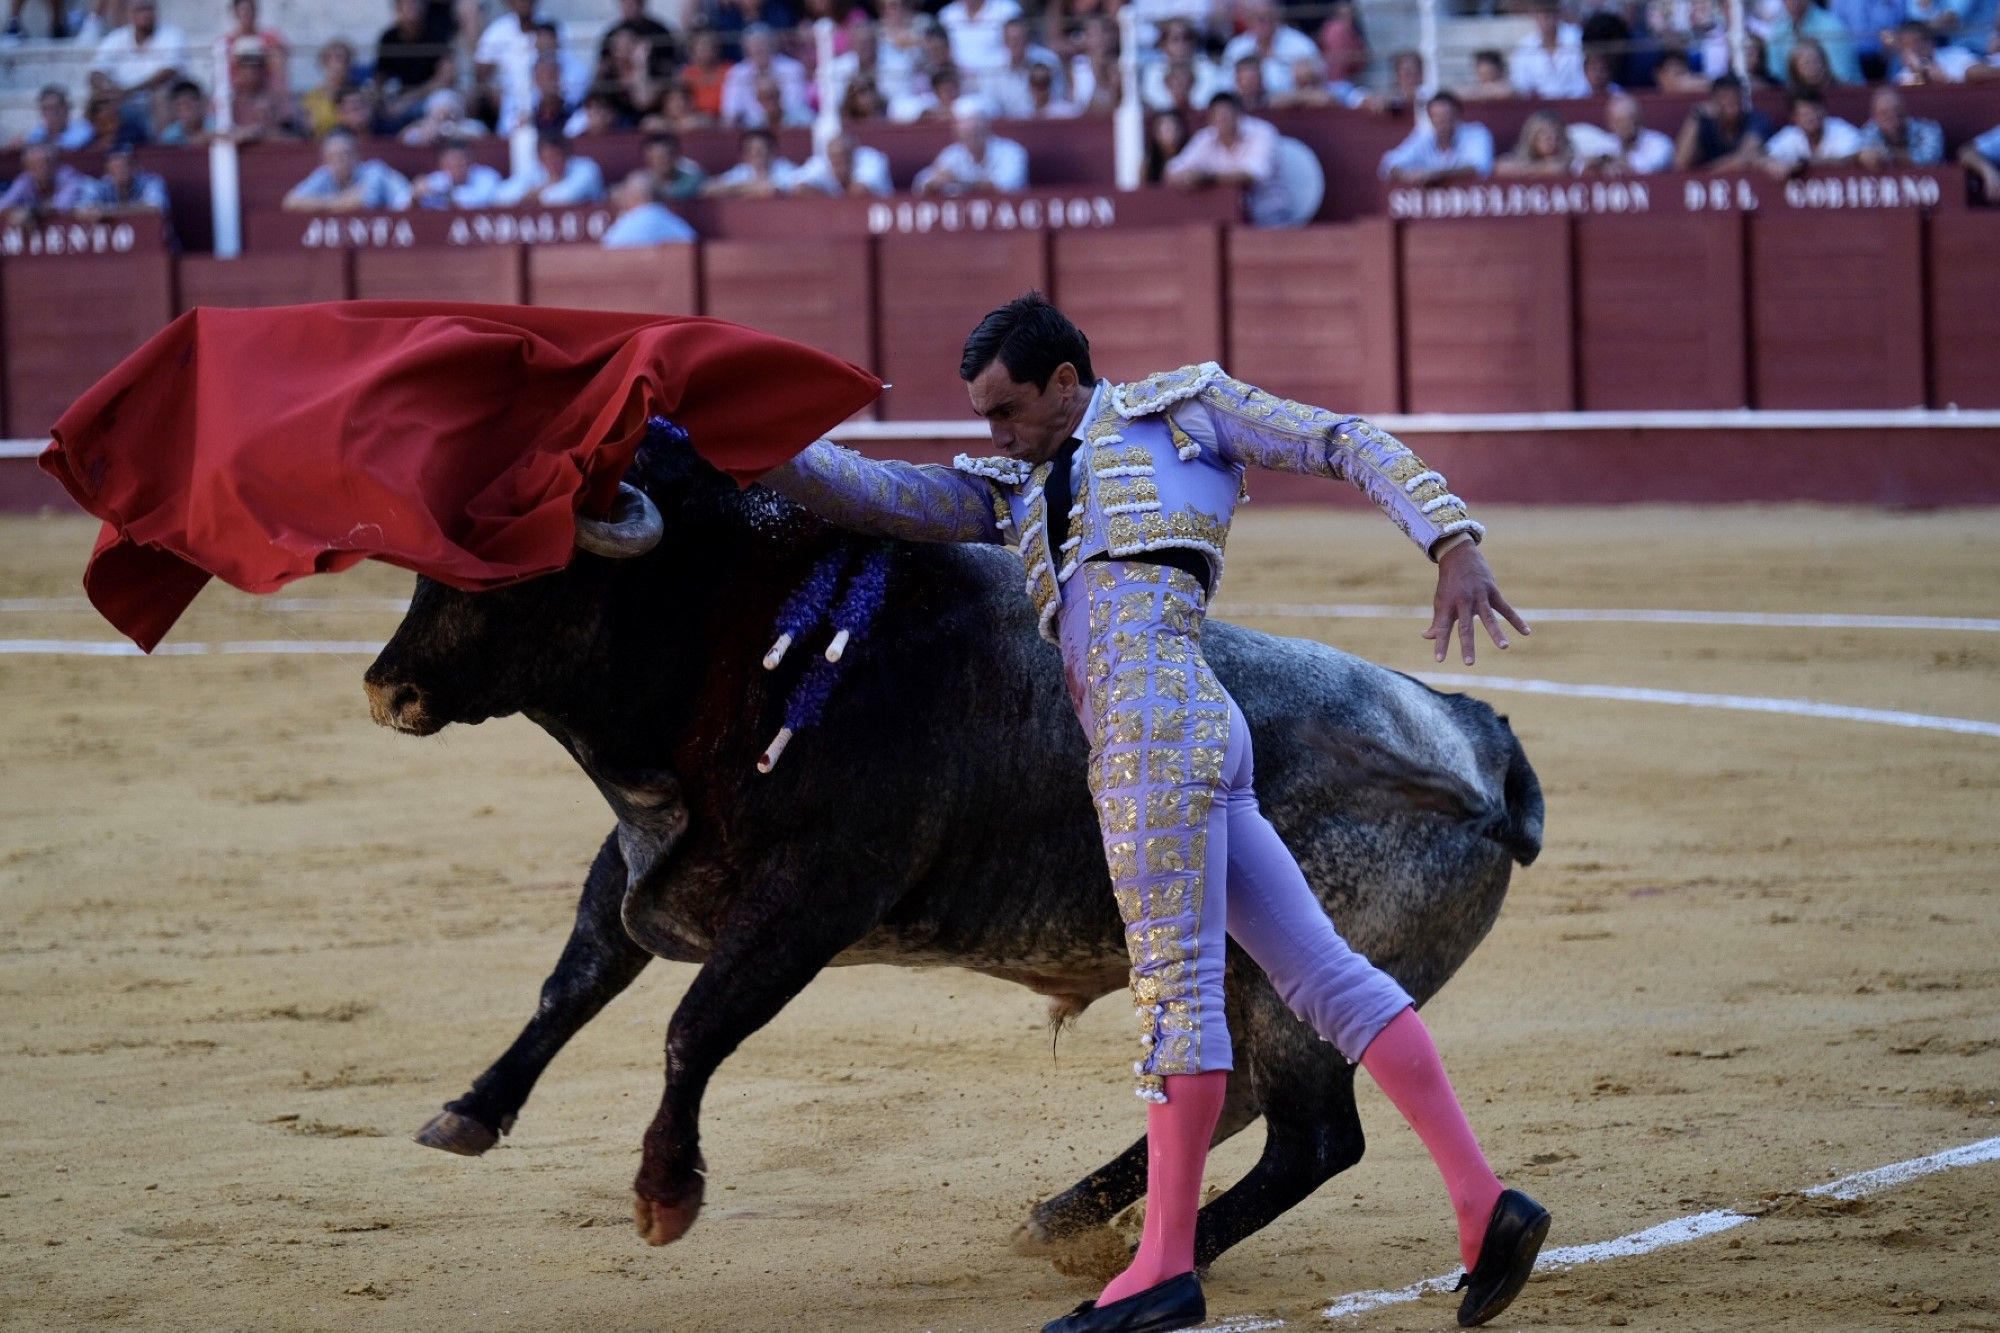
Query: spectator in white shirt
(761,58)
(771,111)
(1625,144)
(1178,46)
(899,52)
(1812,137)
(977,32)
(642,220)
(1548,62)
(845,167)
(1312,87)
(126,189)
(1234,151)
(1007,87)
(444,119)
(1918,60)
(56,126)
(761,174)
(1098,47)
(459,182)
(504,59)
(557,179)
(935,104)
(343,183)
(1443,147)
(1893,137)
(862,59)
(138,60)
(979,162)
(1981,157)
(1275,45)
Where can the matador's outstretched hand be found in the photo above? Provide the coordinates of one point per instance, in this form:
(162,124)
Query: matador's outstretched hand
(1466,592)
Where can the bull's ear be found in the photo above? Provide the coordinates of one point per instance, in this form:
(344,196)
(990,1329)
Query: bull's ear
(633,528)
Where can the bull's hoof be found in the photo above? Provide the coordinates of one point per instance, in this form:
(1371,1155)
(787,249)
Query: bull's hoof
(449,1131)
(662,1222)
(1031,1238)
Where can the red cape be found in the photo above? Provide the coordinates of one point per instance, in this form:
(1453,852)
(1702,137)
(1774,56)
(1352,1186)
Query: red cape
(457,440)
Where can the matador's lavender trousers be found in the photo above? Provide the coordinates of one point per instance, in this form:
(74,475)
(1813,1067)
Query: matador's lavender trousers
(1191,856)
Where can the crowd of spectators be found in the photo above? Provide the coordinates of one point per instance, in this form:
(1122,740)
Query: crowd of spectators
(444,73)
(1724,132)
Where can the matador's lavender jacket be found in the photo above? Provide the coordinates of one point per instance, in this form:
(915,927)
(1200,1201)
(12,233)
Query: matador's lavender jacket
(1160,467)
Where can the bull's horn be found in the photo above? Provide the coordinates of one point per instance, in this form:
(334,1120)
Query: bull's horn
(634,528)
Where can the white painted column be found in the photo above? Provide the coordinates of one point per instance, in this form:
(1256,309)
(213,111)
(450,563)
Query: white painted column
(1427,47)
(826,125)
(225,194)
(1128,123)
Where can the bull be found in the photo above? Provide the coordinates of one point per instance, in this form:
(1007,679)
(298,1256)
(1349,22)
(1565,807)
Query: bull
(938,815)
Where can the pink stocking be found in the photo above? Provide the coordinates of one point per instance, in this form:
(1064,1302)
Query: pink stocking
(1405,1064)
(1178,1131)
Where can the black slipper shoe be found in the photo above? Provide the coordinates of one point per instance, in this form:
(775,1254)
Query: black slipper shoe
(1175,1303)
(1513,1238)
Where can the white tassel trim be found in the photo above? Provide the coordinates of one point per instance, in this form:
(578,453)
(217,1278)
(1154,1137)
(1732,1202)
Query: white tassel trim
(1127,470)
(1041,568)
(1478,530)
(1410,486)
(1124,402)
(1028,533)
(1189,451)
(1432,506)
(777,653)
(1136,507)
(1063,574)
(1012,471)
(769,759)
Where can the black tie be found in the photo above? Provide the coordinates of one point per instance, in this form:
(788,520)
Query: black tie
(1056,494)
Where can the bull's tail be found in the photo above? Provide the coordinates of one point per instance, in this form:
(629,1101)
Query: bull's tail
(1521,834)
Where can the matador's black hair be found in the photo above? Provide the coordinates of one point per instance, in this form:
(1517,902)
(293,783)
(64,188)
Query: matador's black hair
(1031,338)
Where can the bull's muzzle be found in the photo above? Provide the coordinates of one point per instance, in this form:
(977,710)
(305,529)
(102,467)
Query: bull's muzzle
(401,707)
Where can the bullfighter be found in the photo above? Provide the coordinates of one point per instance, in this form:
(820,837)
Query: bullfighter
(1119,497)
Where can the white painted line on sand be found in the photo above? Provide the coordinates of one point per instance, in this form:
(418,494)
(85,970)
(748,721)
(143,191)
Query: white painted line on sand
(1682,1230)
(1863,1183)
(1741,703)
(1619,616)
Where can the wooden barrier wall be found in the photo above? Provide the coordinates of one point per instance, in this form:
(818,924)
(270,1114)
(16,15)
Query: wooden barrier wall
(1854,310)
(1076,152)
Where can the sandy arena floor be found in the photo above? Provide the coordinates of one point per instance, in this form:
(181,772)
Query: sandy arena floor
(249,942)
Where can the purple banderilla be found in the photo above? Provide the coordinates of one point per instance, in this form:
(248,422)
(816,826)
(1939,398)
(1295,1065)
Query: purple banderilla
(802,612)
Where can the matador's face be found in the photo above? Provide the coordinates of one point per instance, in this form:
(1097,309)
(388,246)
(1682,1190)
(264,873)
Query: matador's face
(1028,423)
